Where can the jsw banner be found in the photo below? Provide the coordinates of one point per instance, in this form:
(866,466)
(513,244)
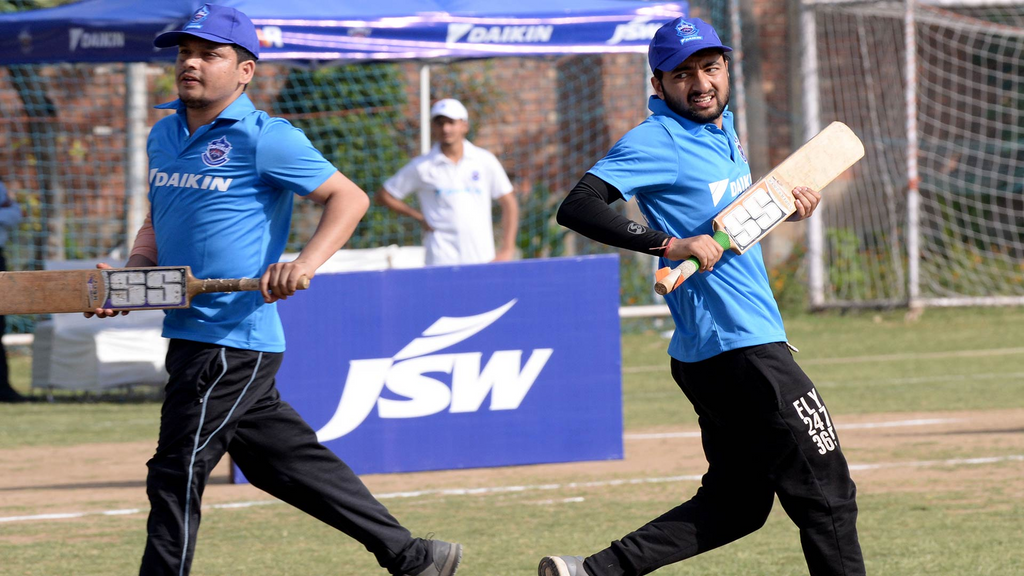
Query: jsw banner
(459,367)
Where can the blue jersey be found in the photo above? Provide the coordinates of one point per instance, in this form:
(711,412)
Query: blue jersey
(221,202)
(682,174)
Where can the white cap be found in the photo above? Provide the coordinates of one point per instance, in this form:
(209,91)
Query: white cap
(449,108)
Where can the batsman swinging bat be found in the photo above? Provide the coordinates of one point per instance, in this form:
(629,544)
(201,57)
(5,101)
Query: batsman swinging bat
(769,202)
(152,288)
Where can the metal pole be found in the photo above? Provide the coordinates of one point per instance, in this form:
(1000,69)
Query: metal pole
(736,68)
(424,108)
(811,112)
(136,183)
(913,183)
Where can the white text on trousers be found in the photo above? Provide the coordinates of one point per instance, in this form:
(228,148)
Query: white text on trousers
(816,418)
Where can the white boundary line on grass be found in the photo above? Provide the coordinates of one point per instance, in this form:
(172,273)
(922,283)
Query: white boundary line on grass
(528,488)
(853,426)
(863,359)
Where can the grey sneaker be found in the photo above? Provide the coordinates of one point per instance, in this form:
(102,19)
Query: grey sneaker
(561,566)
(446,559)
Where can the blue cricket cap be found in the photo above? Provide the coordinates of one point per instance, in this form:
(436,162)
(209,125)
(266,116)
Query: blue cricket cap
(215,23)
(678,40)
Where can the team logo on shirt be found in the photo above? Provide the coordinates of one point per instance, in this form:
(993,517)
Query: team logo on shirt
(743,152)
(475,176)
(217,152)
(197,18)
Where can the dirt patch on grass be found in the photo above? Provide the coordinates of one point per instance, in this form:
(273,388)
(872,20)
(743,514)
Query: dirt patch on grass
(977,454)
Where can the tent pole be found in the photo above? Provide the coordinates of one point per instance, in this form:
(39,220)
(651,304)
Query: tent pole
(424,108)
(135,171)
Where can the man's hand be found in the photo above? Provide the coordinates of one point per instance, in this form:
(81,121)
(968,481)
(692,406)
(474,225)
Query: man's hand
(703,248)
(281,280)
(104,312)
(136,261)
(806,202)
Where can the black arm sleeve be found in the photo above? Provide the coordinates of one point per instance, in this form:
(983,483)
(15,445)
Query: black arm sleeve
(586,210)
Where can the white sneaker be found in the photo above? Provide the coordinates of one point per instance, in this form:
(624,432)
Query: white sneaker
(561,566)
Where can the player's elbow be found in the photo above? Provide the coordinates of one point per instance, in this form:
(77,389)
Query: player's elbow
(350,199)
(384,198)
(566,216)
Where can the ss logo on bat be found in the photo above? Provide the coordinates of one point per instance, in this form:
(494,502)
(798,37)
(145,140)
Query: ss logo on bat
(141,288)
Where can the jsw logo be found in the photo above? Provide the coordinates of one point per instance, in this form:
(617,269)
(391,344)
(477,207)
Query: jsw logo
(504,377)
(640,28)
(270,37)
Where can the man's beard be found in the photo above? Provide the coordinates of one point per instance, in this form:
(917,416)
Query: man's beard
(194,103)
(680,106)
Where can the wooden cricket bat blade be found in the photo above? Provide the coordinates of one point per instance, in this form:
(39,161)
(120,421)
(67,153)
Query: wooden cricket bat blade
(150,288)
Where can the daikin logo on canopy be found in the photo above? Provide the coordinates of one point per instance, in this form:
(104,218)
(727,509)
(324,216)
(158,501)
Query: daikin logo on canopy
(498,34)
(79,38)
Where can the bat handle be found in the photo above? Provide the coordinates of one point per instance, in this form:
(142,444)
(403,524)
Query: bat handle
(669,280)
(238,284)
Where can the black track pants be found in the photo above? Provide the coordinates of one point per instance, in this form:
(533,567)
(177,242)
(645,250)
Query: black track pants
(5,384)
(765,431)
(224,400)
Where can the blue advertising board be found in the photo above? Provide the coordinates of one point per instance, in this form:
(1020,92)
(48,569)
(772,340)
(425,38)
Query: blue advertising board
(459,367)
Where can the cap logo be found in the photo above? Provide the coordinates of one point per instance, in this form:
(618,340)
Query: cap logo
(217,152)
(685,28)
(197,19)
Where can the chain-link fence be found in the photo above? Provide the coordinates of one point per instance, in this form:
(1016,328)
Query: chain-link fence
(935,213)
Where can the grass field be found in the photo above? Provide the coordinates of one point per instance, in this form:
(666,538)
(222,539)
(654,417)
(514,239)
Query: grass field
(936,499)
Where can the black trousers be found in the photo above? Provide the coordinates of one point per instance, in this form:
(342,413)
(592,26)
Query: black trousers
(5,383)
(224,400)
(765,431)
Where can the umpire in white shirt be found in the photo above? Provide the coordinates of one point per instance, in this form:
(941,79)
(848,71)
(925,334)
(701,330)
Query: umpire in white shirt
(455,183)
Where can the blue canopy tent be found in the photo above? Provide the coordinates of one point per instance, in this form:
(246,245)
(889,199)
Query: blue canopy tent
(123,30)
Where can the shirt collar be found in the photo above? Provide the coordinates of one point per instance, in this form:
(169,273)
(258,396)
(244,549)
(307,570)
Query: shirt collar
(436,155)
(658,106)
(237,110)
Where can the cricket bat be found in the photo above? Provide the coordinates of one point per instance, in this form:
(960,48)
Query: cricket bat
(151,288)
(769,202)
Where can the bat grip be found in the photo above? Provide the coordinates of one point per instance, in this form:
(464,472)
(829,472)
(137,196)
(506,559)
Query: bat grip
(671,280)
(238,284)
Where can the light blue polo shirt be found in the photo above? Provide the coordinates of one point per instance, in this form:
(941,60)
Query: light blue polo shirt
(221,202)
(682,174)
